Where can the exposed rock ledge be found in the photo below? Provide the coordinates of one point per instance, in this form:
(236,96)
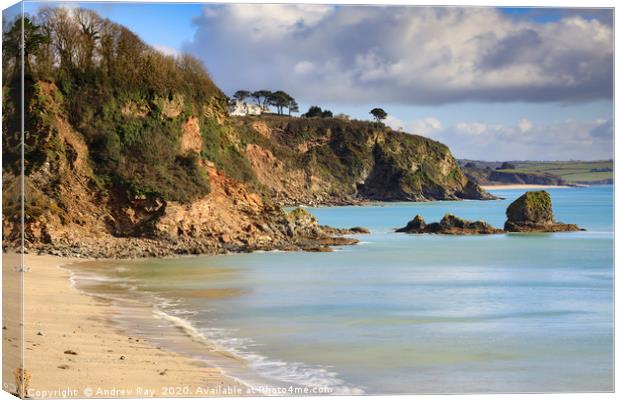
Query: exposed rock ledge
(299,230)
(449,225)
(532,212)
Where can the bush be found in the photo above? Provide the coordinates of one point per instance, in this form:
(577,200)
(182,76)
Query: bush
(506,165)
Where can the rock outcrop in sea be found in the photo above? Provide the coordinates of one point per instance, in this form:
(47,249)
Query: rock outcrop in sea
(533,212)
(449,225)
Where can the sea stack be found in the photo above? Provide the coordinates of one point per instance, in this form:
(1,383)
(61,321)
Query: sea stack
(533,212)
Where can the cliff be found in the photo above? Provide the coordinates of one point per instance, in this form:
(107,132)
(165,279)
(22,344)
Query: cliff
(333,161)
(488,176)
(136,156)
(72,208)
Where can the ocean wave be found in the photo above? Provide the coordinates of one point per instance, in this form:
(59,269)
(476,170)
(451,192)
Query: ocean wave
(266,372)
(272,371)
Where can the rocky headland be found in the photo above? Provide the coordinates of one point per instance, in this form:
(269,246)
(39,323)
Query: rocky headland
(491,176)
(137,156)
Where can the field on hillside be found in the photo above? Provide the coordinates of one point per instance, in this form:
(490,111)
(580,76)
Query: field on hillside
(570,171)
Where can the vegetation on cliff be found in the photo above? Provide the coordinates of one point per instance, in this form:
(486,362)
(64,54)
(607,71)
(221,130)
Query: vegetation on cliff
(124,141)
(331,160)
(125,99)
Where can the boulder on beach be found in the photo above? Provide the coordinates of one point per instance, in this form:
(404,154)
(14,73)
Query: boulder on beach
(533,212)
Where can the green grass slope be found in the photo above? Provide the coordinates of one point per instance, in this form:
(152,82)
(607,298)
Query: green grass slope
(570,171)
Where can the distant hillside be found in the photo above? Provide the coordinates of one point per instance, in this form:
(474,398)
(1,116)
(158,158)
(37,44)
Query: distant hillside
(539,172)
(130,152)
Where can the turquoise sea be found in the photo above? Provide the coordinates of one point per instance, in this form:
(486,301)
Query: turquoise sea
(399,313)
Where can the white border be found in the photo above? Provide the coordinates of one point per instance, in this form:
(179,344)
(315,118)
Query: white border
(498,3)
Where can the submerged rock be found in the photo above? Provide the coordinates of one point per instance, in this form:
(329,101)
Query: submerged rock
(533,212)
(449,225)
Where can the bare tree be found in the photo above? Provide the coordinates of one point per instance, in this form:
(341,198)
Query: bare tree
(64,34)
(90,25)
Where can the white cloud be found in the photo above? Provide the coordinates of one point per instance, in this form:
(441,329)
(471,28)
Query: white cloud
(407,55)
(394,123)
(561,140)
(525,125)
(426,126)
(472,128)
(169,51)
(303,67)
(265,22)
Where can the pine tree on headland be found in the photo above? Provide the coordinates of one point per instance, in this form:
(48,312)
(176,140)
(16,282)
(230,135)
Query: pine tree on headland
(262,97)
(33,40)
(379,114)
(241,95)
(280,100)
(317,112)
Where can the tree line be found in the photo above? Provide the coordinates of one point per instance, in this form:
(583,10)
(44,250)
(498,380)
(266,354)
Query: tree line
(79,46)
(266,98)
(282,100)
(100,68)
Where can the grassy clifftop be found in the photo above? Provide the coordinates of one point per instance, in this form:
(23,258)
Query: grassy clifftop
(540,172)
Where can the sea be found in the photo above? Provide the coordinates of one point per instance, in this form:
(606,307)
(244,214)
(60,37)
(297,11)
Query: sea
(397,313)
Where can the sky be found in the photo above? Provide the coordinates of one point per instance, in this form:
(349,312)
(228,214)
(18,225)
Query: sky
(491,83)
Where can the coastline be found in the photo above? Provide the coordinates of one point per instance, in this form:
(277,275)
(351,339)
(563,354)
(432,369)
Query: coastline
(102,269)
(521,186)
(72,344)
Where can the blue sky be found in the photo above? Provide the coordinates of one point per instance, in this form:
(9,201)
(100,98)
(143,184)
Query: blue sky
(507,83)
(165,24)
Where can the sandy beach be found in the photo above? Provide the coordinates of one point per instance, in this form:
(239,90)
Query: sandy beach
(519,186)
(72,348)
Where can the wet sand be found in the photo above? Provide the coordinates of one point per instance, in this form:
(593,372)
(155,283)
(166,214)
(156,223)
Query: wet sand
(73,347)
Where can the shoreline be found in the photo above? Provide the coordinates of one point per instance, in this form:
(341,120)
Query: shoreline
(155,320)
(73,345)
(522,186)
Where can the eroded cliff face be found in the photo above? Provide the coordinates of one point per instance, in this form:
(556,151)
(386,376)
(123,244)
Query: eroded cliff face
(330,161)
(70,210)
(242,171)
